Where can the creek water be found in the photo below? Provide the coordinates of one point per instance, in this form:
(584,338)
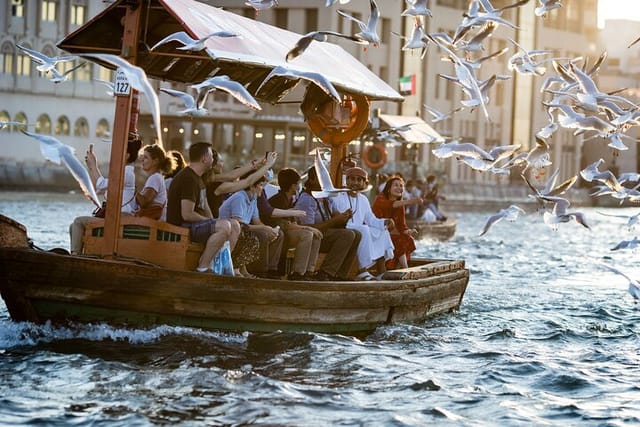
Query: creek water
(545,336)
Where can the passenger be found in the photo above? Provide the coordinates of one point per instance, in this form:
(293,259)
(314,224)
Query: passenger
(154,193)
(242,206)
(412,191)
(432,198)
(76,229)
(305,239)
(340,244)
(390,204)
(268,252)
(221,184)
(375,246)
(180,164)
(187,207)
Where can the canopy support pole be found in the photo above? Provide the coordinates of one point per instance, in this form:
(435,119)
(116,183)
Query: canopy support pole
(131,22)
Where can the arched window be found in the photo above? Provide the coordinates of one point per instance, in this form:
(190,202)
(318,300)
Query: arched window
(43,125)
(102,129)
(4,118)
(6,58)
(23,64)
(62,126)
(22,118)
(81,128)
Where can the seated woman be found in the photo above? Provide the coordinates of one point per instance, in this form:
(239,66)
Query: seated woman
(390,204)
(153,196)
(180,164)
(76,229)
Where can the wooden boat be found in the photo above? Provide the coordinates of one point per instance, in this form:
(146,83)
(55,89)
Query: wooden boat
(434,230)
(139,272)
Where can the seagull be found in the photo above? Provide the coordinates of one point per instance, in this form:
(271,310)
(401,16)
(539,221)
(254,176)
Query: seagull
(634,285)
(368,31)
(510,214)
(12,123)
(417,8)
(627,244)
(418,39)
(324,178)
(109,85)
(320,36)
(437,115)
(550,188)
(138,80)
(591,173)
(632,220)
(46,63)
(539,156)
(559,213)
(232,87)
(634,42)
(59,153)
(59,77)
(329,3)
(261,4)
(190,43)
(318,79)
(547,6)
(191,108)
(455,148)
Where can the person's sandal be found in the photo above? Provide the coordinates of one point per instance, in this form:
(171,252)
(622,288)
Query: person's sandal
(365,275)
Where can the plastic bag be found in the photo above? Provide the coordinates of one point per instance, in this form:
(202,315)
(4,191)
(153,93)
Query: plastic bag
(222,263)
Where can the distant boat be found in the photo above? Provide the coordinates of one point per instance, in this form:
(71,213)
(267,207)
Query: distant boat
(435,230)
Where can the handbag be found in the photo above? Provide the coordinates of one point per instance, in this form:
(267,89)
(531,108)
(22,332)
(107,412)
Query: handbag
(100,211)
(153,211)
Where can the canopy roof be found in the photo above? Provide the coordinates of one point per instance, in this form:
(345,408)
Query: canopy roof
(247,58)
(418,132)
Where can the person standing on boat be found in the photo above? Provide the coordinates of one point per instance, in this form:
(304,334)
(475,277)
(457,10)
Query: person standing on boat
(76,229)
(375,246)
(305,239)
(390,204)
(155,163)
(339,243)
(187,207)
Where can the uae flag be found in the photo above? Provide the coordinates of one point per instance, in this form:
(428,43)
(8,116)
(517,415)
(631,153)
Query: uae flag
(408,85)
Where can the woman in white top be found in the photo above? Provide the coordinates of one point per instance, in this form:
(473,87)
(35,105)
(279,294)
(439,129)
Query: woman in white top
(155,163)
(76,229)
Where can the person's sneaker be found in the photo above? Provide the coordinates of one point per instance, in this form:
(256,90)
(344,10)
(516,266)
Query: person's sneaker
(297,277)
(365,275)
(324,276)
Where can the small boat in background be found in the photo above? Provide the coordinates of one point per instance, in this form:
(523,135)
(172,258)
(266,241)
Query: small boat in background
(434,230)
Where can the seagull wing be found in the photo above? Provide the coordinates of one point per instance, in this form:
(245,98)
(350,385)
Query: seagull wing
(180,36)
(79,172)
(492,220)
(187,98)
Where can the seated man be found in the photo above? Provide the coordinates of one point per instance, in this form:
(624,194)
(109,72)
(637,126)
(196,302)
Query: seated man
(375,246)
(187,207)
(305,239)
(339,243)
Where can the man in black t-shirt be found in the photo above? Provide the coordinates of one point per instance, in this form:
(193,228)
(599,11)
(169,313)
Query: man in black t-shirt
(187,206)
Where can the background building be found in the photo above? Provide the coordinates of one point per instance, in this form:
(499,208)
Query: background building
(79,111)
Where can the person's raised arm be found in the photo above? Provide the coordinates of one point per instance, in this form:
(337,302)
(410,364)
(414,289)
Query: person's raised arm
(233,186)
(92,165)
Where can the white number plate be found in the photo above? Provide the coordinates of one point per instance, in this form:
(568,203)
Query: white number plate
(122,86)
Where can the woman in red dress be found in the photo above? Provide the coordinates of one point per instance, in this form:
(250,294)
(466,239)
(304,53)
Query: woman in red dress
(390,204)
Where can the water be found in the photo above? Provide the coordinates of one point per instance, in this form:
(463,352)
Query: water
(545,336)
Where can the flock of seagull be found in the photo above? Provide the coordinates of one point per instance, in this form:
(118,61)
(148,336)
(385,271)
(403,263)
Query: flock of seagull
(574,100)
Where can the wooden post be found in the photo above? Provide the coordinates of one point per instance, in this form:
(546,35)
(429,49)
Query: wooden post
(131,23)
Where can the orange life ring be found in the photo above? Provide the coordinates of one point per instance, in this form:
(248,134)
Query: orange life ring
(337,135)
(380,153)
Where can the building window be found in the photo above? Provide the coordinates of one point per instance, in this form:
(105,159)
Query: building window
(17,8)
(48,11)
(6,59)
(21,118)
(311,20)
(102,129)
(282,18)
(4,117)
(24,65)
(43,125)
(81,128)
(62,126)
(78,14)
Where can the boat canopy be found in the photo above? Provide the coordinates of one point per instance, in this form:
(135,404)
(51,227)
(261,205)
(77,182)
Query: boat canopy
(418,133)
(247,58)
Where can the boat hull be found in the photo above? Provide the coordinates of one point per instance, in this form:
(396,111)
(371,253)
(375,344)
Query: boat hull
(40,286)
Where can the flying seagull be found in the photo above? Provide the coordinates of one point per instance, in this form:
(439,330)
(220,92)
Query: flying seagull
(59,153)
(45,63)
(318,79)
(225,84)
(510,214)
(320,36)
(634,285)
(191,108)
(324,178)
(189,43)
(138,80)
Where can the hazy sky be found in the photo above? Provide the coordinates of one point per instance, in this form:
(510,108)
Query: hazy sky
(618,9)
